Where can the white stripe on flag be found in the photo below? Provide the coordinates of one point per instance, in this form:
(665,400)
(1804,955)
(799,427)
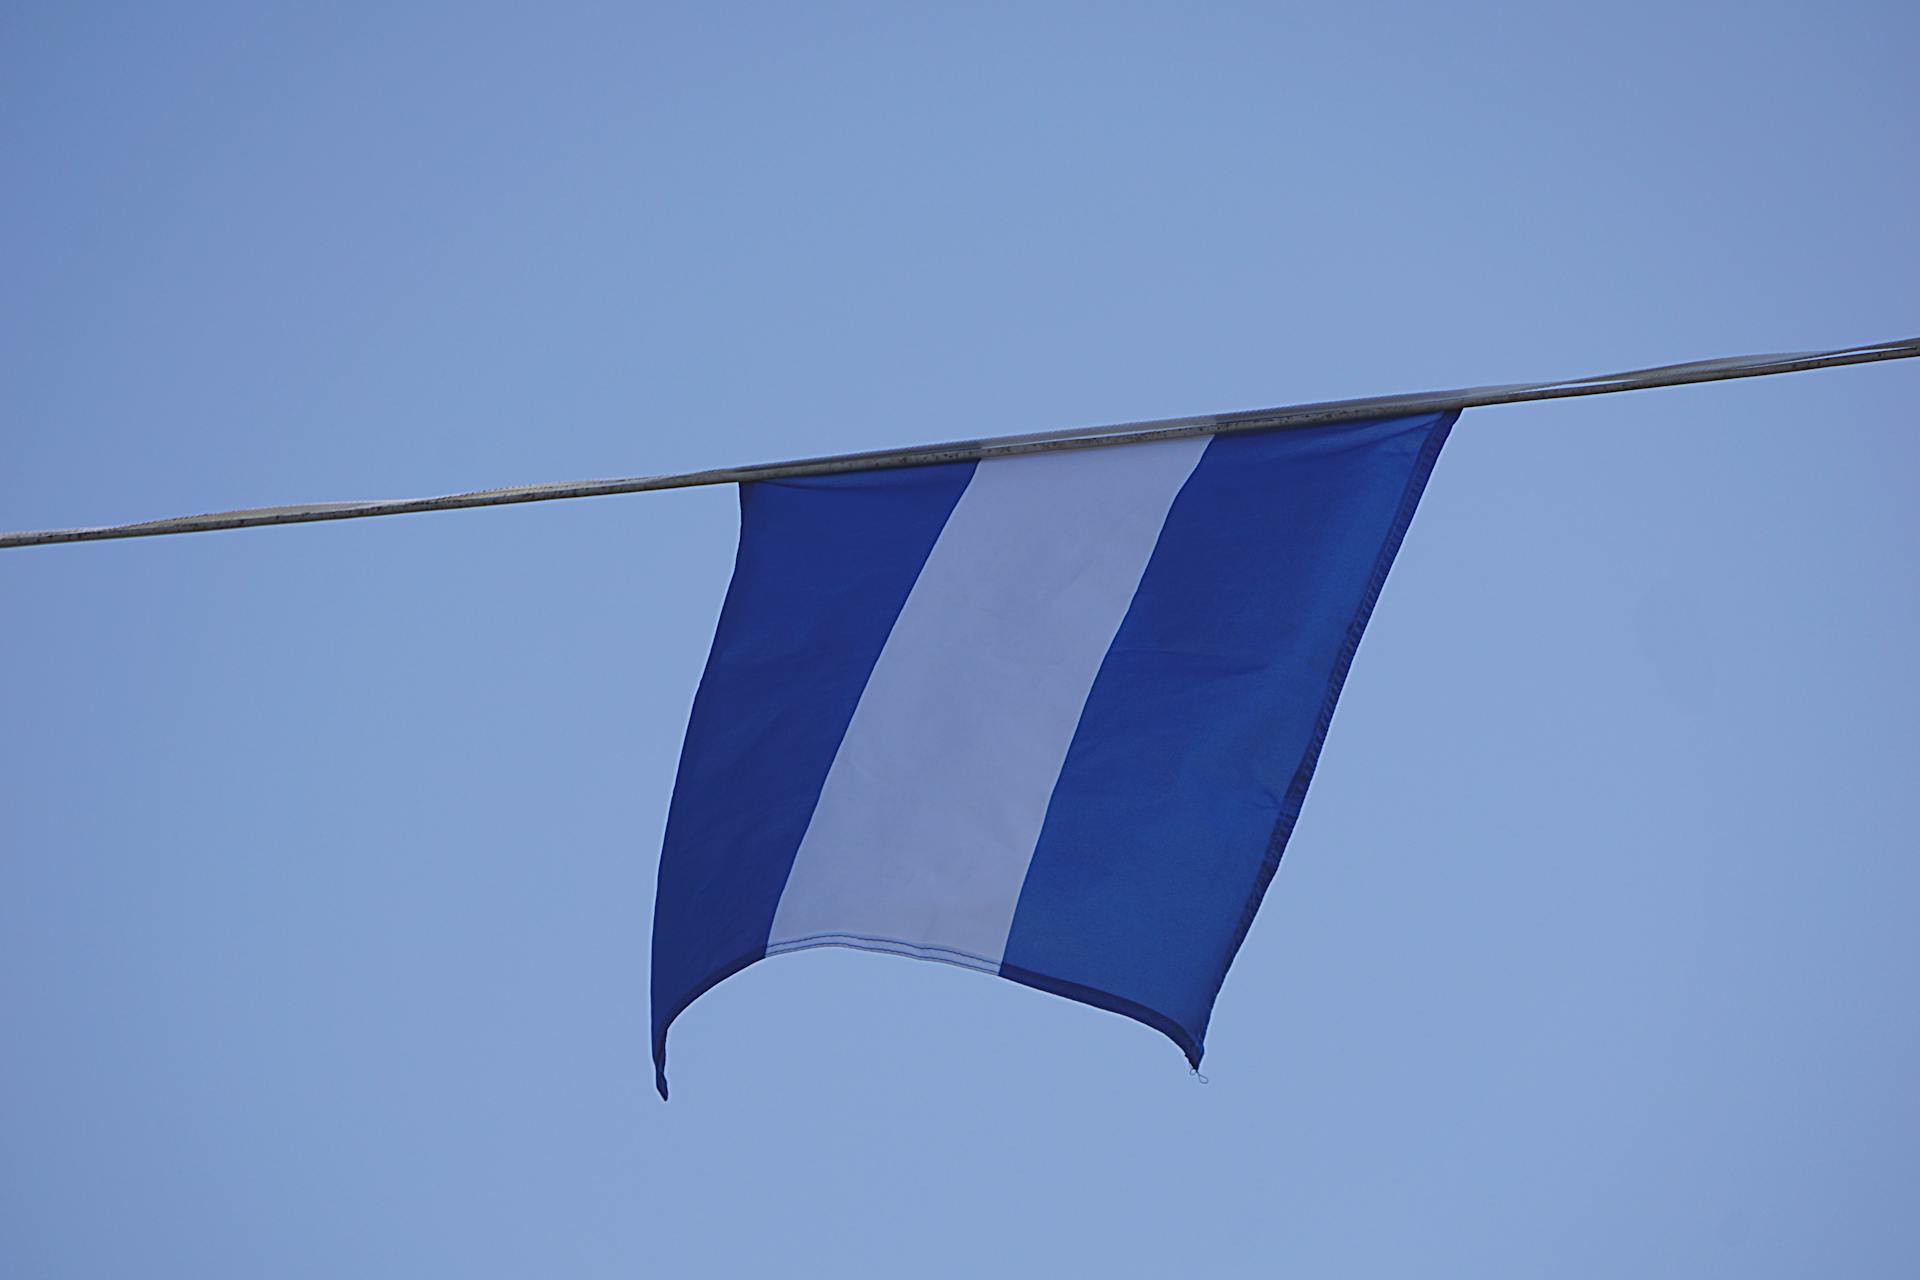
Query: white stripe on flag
(932,807)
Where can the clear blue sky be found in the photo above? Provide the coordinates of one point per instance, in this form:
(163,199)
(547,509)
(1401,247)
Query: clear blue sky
(329,851)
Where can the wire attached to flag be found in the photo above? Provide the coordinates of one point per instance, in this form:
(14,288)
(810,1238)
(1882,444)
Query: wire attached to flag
(1326,413)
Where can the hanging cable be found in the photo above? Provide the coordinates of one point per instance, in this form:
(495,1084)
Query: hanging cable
(1328,413)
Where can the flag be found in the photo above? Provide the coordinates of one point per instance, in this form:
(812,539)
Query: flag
(1048,716)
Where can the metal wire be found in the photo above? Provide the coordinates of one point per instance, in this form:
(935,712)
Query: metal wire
(1290,417)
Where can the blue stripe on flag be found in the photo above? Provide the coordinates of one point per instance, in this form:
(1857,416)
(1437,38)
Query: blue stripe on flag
(823,568)
(1201,732)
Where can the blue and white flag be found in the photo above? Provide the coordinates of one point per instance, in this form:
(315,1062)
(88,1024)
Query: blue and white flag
(1049,716)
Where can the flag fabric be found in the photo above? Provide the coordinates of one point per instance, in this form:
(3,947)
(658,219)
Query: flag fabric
(1049,716)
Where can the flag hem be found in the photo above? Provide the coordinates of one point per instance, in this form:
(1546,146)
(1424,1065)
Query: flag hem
(1074,991)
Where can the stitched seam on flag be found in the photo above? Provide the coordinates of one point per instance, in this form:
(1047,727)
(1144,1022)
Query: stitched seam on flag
(1297,790)
(853,942)
(887,946)
(1031,979)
